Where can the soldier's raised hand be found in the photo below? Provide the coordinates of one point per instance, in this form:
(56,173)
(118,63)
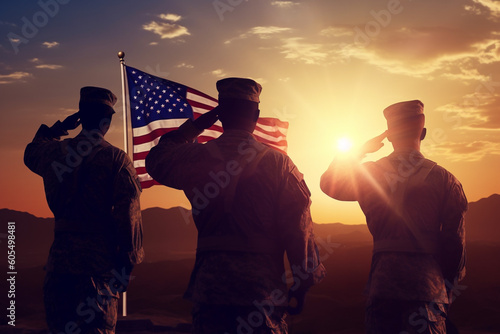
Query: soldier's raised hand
(374,144)
(71,122)
(207,119)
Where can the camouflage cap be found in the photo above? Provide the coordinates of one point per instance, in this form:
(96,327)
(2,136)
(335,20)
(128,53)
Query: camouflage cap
(95,95)
(405,110)
(239,88)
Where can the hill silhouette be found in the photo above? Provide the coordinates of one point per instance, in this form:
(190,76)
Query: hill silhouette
(334,306)
(483,220)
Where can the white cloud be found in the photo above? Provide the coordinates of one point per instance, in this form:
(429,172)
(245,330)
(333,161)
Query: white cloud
(491,6)
(476,111)
(336,32)
(50,45)
(310,53)
(35,60)
(170,17)
(284,4)
(262,32)
(166,28)
(14,77)
(219,73)
(184,65)
(466,151)
(49,67)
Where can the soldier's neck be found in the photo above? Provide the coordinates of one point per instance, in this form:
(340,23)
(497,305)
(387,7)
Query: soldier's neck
(410,145)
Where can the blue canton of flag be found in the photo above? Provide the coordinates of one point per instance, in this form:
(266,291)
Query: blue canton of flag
(153,98)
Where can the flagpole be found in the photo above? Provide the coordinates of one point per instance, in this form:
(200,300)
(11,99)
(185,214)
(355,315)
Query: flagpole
(121,56)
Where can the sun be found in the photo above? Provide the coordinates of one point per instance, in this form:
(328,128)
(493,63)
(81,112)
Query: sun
(344,144)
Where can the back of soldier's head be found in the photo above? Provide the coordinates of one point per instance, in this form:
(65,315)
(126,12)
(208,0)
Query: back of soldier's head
(96,108)
(238,103)
(405,121)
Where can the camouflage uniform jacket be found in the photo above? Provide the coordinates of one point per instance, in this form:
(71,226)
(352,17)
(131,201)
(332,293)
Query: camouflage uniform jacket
(93,191)
(418,260)
(250,204)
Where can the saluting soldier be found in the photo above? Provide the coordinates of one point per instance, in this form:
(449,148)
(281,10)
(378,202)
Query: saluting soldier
(415,211)
(250,204)
(93,191)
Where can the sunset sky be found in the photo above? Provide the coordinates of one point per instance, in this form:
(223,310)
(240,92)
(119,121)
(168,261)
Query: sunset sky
(329,68)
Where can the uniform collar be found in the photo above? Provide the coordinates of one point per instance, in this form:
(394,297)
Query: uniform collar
(236,134)
(406,152)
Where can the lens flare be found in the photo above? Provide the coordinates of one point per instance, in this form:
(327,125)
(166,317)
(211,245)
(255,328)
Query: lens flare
(344,144)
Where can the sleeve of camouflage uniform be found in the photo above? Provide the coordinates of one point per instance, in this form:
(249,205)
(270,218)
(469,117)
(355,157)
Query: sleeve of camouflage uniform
(340,181)
(453,232)
(297,230)
(167,161)
(36,153)
(127,213)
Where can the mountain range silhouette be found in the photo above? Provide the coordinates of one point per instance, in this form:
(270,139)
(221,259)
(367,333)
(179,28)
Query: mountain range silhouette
(334,306)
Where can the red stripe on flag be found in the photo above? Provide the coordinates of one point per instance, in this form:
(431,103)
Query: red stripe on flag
(140,156)
(148,184)
(151,136)
(197,92)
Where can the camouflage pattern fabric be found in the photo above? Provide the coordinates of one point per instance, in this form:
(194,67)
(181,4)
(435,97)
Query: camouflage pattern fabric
(254,219)
(230,319)
(79,303)
(390,316)
(93,191)
(436,205)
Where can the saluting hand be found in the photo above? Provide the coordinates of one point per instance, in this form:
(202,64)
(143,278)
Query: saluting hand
(72,121)
(374,144)
(207,119)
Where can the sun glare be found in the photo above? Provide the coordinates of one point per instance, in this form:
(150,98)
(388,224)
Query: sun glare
(344,144)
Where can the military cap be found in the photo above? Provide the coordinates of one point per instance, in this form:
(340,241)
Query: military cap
(92,96)
(239,88)
(403,111)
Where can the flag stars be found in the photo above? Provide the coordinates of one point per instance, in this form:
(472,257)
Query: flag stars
(157,111)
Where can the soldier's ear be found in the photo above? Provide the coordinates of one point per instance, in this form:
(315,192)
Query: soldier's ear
(422,135)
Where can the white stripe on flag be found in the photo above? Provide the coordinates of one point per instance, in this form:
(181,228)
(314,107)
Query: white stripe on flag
(265,136)
(146,147)
(200,99)
(163,123)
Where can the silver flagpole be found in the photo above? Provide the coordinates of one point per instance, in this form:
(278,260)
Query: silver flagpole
(121,56)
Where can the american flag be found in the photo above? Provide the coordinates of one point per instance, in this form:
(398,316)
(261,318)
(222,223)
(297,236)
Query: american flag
(158,106)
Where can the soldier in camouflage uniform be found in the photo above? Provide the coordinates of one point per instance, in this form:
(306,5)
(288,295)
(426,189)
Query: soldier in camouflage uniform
(93,191)
(415,212)
(250,204)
